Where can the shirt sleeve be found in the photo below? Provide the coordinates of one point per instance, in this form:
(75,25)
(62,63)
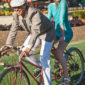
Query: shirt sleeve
(49,12)
(13,30)
(63,10)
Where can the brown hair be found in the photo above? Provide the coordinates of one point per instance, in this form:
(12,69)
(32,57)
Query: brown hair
(56,2)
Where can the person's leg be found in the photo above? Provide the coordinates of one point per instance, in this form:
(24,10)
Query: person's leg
(59,54)
(45,61)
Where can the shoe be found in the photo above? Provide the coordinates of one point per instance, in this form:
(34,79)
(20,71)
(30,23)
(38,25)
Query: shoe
(66,81)
(37,72)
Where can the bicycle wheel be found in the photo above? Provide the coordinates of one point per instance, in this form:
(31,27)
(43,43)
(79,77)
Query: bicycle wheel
(13,76)
(75,65)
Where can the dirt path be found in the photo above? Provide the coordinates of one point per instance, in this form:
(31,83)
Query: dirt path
(79,34)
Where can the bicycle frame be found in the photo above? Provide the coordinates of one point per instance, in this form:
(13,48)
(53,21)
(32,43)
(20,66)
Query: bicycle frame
(56,74)
(23,65)
(41,75)
(39,82)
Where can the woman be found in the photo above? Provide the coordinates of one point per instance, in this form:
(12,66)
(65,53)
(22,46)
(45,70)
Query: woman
(64,33)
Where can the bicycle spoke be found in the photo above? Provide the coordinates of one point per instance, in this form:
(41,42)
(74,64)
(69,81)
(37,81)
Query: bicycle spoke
(75,65)
(12,76)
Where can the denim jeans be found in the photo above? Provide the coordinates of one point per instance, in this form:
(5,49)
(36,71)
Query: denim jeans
(45,61)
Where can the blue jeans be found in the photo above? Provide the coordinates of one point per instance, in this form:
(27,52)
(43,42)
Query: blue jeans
(45,61)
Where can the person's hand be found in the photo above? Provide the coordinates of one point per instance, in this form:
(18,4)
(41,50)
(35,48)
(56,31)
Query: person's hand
(4,51)
(62,38)
(24,53)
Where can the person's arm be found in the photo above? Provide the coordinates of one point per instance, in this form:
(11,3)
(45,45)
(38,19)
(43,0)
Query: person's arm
(49,12)
(62,33)
(13,30)
(63,10)
(35,31)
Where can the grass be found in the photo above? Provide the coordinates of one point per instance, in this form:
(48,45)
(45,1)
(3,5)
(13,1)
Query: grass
(79,44)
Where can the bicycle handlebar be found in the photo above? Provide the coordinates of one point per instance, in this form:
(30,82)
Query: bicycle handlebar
(10,47)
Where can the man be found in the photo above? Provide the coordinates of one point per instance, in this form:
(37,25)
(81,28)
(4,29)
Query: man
(38,26)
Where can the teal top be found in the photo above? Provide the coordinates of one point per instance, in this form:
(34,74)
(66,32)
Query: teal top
(60,16)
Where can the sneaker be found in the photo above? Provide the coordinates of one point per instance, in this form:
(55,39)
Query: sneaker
(66,81)
(37,72)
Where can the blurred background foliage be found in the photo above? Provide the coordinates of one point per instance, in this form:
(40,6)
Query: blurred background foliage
(79,13)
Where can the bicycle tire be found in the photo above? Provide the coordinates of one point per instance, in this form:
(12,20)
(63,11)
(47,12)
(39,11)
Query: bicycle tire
(10,76)
(75,64)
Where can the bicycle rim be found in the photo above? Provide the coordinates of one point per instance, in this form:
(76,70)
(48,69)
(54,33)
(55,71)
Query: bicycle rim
(13,76)
(75,64)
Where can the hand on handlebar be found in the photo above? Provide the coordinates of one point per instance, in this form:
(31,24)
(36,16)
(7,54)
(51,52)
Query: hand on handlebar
(24,53)
(4,50)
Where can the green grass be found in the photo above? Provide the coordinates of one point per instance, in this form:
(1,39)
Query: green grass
(8,59)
